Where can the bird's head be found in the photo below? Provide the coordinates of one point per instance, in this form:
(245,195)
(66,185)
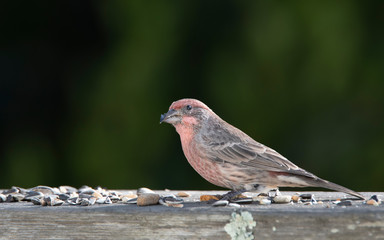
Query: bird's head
(185,112)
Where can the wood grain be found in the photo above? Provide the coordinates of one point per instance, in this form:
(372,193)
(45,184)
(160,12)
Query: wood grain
(196,220)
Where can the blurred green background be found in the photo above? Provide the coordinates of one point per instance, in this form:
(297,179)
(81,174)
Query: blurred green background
(83,84)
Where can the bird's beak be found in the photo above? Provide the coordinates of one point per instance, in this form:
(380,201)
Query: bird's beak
(172,116)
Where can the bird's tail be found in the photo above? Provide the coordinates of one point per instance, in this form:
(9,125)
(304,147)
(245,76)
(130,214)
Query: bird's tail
(318,182)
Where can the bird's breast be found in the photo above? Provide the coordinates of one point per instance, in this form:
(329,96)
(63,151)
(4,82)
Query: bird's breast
(208,169)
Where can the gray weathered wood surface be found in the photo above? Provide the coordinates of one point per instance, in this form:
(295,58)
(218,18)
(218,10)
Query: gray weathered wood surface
(196,220)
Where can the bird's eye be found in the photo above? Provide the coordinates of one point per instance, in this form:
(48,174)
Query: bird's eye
(188,107)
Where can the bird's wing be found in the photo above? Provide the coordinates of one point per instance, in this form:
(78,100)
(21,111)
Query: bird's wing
(244,151)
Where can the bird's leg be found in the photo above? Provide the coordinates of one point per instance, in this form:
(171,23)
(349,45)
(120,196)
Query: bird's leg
(231,194)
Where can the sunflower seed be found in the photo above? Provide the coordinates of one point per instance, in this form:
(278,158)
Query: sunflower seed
(126,198)
(51,200)
(32,194)
(73,201)
(372,202)
(16,197)
(242,200)
(64,196)
(183,194)
(132,200)
(3,198)
(107,200)
(234,205)
(146,199)
(44,190)
(22,190)
(92,200)
(375,197)
(114,199)
(220,203)
(37,201)
(144,190)
(282,199)
(84,195)
(265,201)
(101,200)
(67,189)
(11,191)
(88,191)
(82,188)
(306,196)
(172,199)
(295,198)
(85,202)
(170,204)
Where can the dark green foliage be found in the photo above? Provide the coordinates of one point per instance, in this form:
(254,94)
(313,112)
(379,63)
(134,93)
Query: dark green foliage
(83,85)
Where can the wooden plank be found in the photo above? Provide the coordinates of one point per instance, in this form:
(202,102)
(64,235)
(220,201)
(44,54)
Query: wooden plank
(196,220)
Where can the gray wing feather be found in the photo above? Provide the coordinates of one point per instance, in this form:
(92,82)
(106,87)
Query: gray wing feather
(242,150)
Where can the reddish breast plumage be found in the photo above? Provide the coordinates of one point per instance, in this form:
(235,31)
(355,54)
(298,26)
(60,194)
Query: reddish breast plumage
(207,169)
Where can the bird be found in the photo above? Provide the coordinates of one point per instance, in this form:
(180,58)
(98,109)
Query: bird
(227,157)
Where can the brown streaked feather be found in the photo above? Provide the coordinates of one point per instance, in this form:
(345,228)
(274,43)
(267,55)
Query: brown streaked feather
(244,151)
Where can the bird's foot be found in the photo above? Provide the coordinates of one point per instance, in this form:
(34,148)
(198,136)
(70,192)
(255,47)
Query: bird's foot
(271,193)
(230,195)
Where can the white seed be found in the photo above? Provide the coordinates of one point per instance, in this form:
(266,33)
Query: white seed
(282,199)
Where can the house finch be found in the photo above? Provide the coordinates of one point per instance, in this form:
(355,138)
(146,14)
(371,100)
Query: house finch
(227,157)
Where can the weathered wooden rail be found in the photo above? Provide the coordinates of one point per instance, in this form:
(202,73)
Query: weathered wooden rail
(196,220)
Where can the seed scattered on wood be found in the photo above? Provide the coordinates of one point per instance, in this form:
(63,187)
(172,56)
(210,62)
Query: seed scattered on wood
(85,195)
(37,201)
(63,196)
(145,199)
(101,200)
(17,197)
(107,201)
(33,194)
(44,190)
(132,201)
(53,200)
(245,200)
(96,194)
(205,198)
(11,191)
(128,196)
(376,198)
(183,194)
(144,190)
(162,201)
(306,196)
(85,202)
(235,205)
(3,198)
(262,200)
(295,198)
(88,191)
(220,203)
(282,199)
(172,199)
(114,199)
(74,201)
(372,202)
